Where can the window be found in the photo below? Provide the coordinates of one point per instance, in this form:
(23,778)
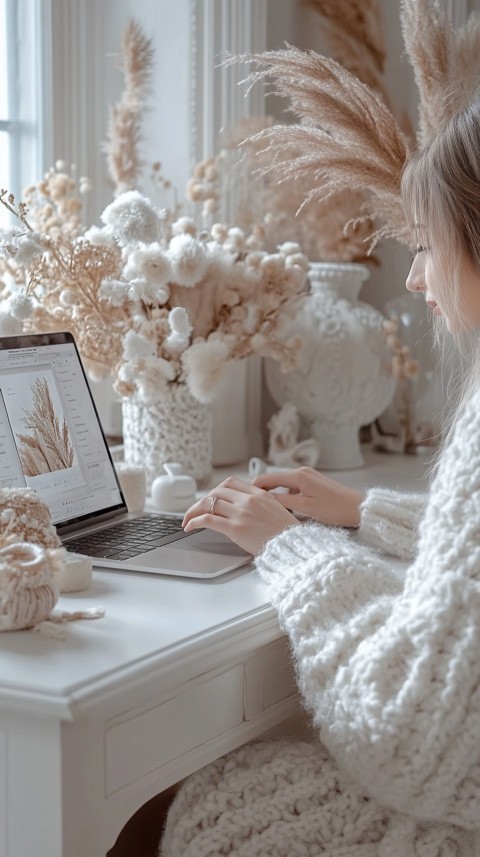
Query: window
(21,91)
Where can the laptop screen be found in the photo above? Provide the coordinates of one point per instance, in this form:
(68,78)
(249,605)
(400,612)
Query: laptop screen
(51,439)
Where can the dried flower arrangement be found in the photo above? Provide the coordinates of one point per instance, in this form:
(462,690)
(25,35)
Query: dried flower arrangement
(151,304)
(345,138)
(151,300)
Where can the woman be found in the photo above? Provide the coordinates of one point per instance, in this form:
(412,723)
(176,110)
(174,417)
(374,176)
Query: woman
(389,668)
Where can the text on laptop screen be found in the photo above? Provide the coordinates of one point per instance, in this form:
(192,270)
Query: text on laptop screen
(50,437)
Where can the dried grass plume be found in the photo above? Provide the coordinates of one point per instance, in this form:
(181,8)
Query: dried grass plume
(445,61)
(353,30)
(346,138)
(124,128)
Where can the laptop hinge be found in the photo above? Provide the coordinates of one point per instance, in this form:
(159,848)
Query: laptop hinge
(102,517)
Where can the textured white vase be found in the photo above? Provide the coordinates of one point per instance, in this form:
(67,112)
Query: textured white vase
(343,381)
(175,427)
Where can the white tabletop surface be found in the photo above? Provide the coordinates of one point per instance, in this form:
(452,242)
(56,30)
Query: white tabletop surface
(152,618)
(146,616)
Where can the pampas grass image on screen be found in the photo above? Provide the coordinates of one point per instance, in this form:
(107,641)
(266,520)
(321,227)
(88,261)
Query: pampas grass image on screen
(48,448)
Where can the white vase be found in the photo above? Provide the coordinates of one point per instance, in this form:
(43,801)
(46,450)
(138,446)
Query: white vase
(344,380)
(175,427)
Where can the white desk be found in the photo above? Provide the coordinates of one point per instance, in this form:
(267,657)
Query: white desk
(177,673)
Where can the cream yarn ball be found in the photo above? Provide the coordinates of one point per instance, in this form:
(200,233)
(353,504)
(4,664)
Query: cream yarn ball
(28,589)
(25,516)
(34,567)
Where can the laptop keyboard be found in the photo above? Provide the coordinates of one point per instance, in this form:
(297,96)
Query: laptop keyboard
(127,539)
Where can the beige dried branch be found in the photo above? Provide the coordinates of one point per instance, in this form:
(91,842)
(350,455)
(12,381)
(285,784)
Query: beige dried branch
(445,61)
(32,465)
(50,440)
(354,36)
(357,19)
(326,232)
(33,458)
(344,136)
(346,139)
(124,128)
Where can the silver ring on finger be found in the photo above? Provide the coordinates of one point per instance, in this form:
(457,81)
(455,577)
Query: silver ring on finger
(213,501)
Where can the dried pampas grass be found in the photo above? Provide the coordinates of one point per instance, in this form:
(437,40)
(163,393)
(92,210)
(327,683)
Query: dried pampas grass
(49,447)
(354,35)
(347,139)
(323,231)
(445,61)
(124,129)
(344,137)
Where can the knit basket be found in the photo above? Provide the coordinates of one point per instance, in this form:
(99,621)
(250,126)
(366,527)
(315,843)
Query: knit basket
(175,427)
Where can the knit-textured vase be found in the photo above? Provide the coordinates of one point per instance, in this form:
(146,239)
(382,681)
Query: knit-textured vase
(175,427)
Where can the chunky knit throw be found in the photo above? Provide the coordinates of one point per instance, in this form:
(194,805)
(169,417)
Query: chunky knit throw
(389,669)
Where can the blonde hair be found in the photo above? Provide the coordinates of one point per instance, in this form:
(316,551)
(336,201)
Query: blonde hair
(441,195)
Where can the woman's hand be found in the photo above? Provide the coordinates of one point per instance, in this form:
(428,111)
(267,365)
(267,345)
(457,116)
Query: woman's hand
(245,513)
(315,495)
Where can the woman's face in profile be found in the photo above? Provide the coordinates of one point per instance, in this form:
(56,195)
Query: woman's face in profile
(427,277)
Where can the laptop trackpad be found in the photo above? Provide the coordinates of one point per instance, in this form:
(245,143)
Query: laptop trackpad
(201,554)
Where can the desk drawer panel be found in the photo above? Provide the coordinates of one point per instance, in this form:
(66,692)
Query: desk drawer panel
(278,674)
(142,743)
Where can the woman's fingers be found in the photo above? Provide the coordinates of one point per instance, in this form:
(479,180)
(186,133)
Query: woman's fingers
(231,491)
(244,513)
(286,478)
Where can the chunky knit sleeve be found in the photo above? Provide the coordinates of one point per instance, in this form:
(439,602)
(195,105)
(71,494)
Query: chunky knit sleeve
(389,520)
(390,667)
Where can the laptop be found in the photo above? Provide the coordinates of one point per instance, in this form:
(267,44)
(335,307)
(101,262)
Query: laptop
(51,440)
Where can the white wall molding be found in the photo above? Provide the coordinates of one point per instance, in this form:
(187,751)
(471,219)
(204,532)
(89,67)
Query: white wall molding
(76,88)
(219,29)
(218,101)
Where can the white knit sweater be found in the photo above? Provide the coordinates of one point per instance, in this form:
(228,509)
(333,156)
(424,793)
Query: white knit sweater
(390,667)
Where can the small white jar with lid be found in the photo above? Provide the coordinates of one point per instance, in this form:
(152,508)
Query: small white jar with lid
(173,491)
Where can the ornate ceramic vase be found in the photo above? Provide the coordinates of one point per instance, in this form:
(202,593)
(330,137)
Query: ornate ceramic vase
(175,427)
(344,379)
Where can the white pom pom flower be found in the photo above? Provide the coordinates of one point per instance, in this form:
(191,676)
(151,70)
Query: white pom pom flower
(180,330)
(98,236)
(289,248)
(9,326)
(150,262)
(132,219)
(136,346)
(140,290)
(205,365)
(113,291)
(21,306)
(157,372)
(189,260)
(26,248)
(184,225)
